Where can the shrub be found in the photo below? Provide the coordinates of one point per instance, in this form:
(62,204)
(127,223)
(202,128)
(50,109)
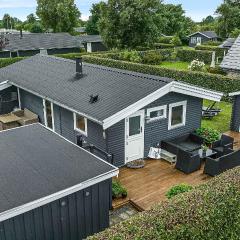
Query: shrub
(188,55)
(216,70)
(132,56)
(208,134)
(118,190)
(212,43)
(210,81)
(208,212)
(152,58)
(175,190)
(219,51)
(165,39)
(196,65)
(163,45)
(176,41)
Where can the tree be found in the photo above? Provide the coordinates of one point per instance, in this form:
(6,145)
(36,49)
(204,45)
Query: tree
(229,17)
(208,20)
(92,24)
(60,15)
(128,24)
(36,28)
(31,18)
(8,21)
(235,33)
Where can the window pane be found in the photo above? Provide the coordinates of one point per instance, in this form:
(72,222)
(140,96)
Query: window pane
(156,114)
(177,115)
(80,123)
(49,114)
(134,125)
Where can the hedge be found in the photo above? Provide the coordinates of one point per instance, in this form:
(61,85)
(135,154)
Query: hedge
(163,45)
(188,55)
(7,61)
(206,80)
(208,212)
(219,51)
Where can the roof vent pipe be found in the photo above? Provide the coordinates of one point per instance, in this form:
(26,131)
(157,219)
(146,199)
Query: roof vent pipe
(79,66)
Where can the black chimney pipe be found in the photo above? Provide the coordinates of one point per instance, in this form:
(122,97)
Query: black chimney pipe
(79,67)
(21,33)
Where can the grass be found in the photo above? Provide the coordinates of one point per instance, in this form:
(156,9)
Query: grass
(175,65)
(222,121)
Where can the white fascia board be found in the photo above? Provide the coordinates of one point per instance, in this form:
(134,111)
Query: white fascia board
(234,94)
(108,122)
(194,91)
(4,85)
(174,86)
(199,33)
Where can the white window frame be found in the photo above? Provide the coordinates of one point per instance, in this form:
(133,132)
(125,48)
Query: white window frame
(171,106)
(45,115)
(75,124)
(193,40)
(154,109)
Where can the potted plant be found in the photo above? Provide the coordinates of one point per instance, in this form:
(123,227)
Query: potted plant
(118,191)
(208,135)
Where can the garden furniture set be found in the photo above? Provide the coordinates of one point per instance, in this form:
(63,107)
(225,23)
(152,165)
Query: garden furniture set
(190,155)
(17,118)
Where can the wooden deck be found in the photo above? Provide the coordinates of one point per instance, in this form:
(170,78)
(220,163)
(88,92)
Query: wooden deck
(148,186)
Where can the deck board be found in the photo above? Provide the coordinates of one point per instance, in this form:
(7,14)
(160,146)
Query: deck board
(148,186)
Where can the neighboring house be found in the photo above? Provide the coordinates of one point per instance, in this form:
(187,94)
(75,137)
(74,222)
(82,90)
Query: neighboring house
(81,30)
(123,113)
(92,43)
(200,37)
(21,45)
(11,31)
(51,188)
(231,62)
(228,43)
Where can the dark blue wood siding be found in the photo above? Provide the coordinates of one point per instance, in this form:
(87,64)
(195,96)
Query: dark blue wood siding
(156,131)
(70,218)
(204,39)
(33,103)
(7,103)
(235,121)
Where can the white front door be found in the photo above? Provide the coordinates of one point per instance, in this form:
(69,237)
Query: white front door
(134,136)
(89,47)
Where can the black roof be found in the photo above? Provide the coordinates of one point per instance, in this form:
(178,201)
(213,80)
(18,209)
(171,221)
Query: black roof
(36,41)
(36,163)
(209,34)
(228,43)
(89,38)
(55,79)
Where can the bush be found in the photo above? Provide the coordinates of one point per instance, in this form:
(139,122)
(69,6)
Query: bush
(131,56)
(176,41)
(118,190)
(188,55)
(219,51)
(175,190)
(163,45)
(211,43)
(210,81)
(165,39)
(152,58)
(197,66)
(209,135)
(216,70)
(208,212)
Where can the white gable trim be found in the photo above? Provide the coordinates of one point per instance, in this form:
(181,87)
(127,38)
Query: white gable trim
(199,33)
(4,85)
(234,94)
(177,87)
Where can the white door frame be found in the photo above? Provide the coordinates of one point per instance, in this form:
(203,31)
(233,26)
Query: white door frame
(142,114)
(45,115)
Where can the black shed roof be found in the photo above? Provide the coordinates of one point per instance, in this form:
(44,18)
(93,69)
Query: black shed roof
(36,41)
(37,163)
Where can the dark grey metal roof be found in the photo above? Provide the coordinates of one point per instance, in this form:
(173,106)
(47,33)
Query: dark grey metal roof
(35,41)
(89,38)
(209,34)
(232,60)
(36,163)
(54,78)
(228,43)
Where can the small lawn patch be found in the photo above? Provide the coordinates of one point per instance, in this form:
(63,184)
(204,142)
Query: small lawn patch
(175,65)
(222,121)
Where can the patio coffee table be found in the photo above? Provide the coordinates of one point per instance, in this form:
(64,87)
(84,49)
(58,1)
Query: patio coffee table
(209,153)
(8,121)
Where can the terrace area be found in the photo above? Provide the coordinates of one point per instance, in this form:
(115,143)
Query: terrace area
(147,186)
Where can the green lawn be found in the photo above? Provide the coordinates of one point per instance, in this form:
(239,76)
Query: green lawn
(222,121)
(175,65)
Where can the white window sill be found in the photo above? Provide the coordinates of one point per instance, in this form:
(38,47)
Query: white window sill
(176,126)
(80,131)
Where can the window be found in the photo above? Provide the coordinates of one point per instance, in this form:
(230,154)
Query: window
(156,113)
(177,115)
(199,40)
(80,123)
(48,114)
(193,40)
